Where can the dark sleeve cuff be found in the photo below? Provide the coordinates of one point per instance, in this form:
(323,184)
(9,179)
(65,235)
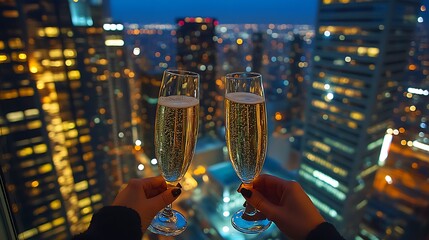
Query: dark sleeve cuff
(113,222)
(324,231)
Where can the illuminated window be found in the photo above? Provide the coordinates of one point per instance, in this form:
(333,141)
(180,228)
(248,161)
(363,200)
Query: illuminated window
(88,156)
(68,53)
(352,124)
(15,43)
(339,145)
(338,170)
(59,76)
(15,116)
(319,85)
(357,116)
(343,80)
(10,13)
(41,148)
(45,168)
(40,210)
(321,184)
(84,139)
(58,221)
(81,121)
(18,68)
(41,32)
(340,30)
(3,58)
(31,112)
(19,57)
(96,198)
(84,202)
(72,133)
(4,131)
(45,227)
(28,234)
(55,53)
(56,204)
(80,186)
(74,74)
(86,210)
(321,146)
(52,31)
(8,94)
(26,92)
(34,124)
(57,63)
(70,62)
(25,152)
(375,144)
(1,45)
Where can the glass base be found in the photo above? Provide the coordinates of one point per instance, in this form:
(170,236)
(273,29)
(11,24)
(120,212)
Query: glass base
(172,226)
(251,226)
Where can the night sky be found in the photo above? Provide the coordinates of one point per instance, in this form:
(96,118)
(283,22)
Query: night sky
(226,11)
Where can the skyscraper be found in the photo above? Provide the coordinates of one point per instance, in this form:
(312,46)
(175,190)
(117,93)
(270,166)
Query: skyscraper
(257,51)
(360,53)
(47,157)
(295,90)
(399,205)
(196,51)
(124,164)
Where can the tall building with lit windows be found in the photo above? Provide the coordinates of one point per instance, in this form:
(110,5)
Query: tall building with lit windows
(399,205)
(124,164)
(360,53)
(257,51)
(47,157)
(196,51)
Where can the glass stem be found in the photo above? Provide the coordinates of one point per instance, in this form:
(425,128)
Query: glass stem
(250,210)
(168,212)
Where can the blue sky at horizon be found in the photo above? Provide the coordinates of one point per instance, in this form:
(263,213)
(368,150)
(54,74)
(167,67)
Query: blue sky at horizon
(226,11)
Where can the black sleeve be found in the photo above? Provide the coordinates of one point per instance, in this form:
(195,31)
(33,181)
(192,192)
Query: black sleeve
(113,222)
(324,231)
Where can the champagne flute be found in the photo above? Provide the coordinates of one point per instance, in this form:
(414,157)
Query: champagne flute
(246,138)
(176,130)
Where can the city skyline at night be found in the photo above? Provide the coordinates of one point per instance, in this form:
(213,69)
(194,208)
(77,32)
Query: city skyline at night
(346,86)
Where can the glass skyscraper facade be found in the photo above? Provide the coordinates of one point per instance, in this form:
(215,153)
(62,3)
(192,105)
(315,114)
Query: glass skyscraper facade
(196,51)
(53,62)
(360,55)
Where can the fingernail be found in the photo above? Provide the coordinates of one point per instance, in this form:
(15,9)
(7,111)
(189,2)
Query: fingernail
(246,193)
(179,185)
(239,187)
(176,192)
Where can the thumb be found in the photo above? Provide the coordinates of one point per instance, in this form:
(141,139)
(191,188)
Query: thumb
(163,199)
(258,201)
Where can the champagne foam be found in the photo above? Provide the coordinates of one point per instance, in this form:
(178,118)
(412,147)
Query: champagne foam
(178,101)
(244,97)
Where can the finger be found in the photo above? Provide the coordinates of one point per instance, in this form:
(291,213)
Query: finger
(255,198)
(153,182)
(152,192)
(264,179)
(162,200)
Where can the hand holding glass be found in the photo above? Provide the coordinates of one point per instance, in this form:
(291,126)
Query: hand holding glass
(176,131)
(246,138)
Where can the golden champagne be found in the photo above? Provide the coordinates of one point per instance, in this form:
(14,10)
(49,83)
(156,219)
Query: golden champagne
(246,133)
(176,130)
